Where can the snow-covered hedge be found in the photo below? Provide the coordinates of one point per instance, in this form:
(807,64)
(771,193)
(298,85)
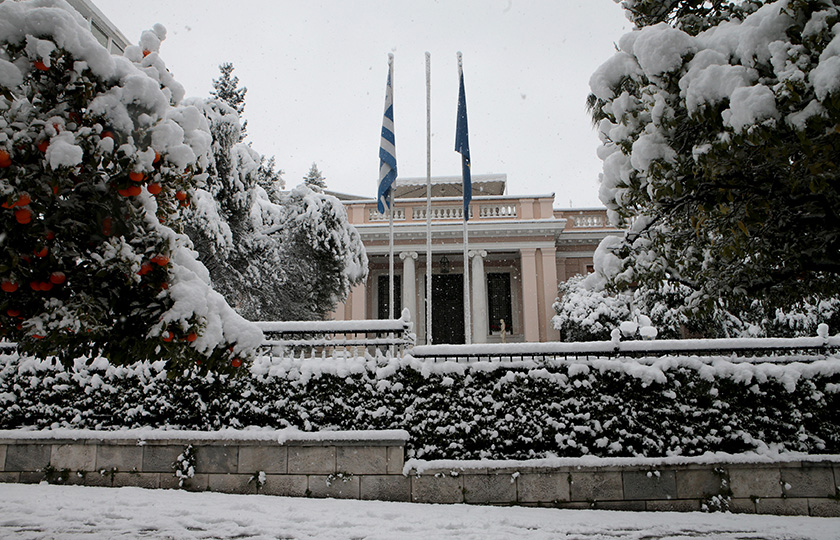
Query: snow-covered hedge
(604,407)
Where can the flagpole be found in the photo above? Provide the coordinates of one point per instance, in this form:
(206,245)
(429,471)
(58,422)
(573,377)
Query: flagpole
(388,177)
(428,198)
(467,308)
(391,216)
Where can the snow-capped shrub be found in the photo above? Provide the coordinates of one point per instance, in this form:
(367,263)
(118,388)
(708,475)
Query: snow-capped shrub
(602,407)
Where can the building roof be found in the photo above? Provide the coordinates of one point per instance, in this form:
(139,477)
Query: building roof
(450,186)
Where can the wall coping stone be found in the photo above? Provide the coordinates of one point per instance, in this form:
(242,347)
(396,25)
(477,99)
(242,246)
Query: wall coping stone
(592,464)
(223,437)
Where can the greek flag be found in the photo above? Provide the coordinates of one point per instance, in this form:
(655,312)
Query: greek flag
(387,148)
(462,146)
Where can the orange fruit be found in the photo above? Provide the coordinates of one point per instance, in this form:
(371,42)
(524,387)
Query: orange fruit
(136,176)
(160,260)
(57,278)
(40,65)
(145,268)
(12,312)
(23,200)
(41,253)
(236,362)
(157,158)
(153,189)
(107,135)
(181,195)
(9,286)
(192,336)
(43,145)
(146,52)
(5,159)
(23,216)
(167,336)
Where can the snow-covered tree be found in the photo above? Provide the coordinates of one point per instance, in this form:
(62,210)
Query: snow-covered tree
(97,160)
(314,179)
(326,256)
(692,16)
(270,179)
(226,88)
(275,256)
(720,150)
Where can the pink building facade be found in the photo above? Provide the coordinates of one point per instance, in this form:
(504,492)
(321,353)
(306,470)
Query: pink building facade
(520,249)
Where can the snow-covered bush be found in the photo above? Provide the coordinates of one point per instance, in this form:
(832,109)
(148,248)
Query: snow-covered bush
(97,158)
(718,122)
(587,311)
(602,407)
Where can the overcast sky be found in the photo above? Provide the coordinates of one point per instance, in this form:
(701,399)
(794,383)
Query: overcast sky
(316,72)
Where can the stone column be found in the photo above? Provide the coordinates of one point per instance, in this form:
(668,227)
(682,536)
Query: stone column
(409,293)
(479,297)
(530,305)
(549,272)
(358,302)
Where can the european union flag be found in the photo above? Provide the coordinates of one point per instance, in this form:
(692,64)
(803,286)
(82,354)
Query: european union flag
(462,146)
(387,148)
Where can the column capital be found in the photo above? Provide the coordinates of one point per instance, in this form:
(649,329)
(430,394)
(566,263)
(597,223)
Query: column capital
(529,251)
(477,253)
(406,254)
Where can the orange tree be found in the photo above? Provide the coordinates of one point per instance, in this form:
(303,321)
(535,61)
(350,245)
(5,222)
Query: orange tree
(97,161)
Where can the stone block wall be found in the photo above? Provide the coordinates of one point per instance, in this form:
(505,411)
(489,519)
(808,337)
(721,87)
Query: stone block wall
(370,466)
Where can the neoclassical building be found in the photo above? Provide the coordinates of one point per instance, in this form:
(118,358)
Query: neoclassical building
(520,248)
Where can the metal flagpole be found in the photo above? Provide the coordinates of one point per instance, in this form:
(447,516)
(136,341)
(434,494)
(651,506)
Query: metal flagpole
(391,215)
(388,176)
(428,198)
(391,253)
(464,149)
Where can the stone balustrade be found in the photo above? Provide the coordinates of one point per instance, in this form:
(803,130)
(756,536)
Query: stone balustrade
(374,215)
(370,465)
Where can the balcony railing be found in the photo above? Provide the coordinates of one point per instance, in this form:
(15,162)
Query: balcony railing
(588,221)
(440,212)
(374,215)
(489,211)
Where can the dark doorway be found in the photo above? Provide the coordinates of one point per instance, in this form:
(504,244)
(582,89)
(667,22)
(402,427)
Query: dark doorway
(498,293)
(382,305)
(447,308)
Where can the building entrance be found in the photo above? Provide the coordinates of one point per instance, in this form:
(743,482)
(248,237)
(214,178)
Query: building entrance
(447,308)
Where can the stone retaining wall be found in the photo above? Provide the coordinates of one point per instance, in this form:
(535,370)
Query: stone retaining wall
(369,465)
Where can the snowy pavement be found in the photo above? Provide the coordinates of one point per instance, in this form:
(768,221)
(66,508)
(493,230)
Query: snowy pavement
(72,512)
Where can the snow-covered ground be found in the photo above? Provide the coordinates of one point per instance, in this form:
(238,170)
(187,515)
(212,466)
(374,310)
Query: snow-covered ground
(71,512)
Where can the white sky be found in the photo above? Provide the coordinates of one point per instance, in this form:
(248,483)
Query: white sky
(316,70)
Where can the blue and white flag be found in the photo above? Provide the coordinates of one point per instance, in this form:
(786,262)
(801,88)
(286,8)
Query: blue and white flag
(387,147)
(462,146)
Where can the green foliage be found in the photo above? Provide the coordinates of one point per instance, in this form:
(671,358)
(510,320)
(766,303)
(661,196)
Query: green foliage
(457,411)
(315,179)
(735,212)
(89,269)
(226,88)
(691,16)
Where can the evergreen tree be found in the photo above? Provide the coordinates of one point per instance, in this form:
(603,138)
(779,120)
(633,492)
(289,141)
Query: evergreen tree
(96,167)
(721,149)
(314,179)
(226,88)
(270,180)
(274,256)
